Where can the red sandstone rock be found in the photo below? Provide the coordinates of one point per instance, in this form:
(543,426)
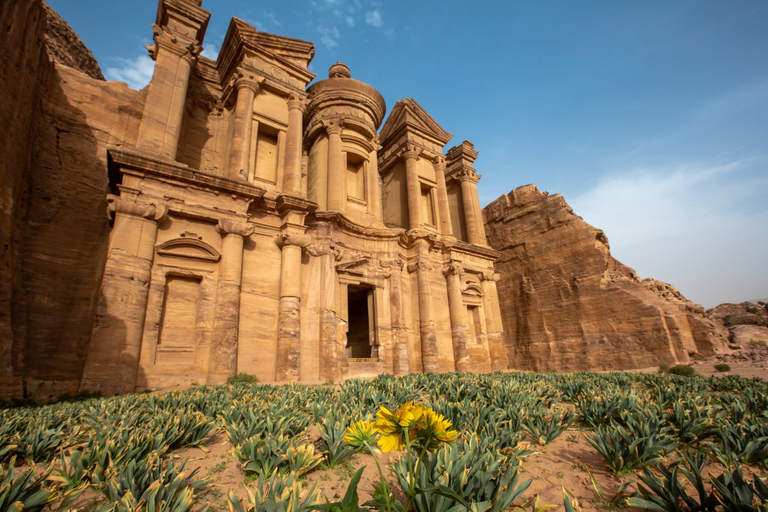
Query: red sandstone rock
(568,305)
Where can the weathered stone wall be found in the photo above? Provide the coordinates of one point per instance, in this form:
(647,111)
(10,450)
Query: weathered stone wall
(54,181)
(568,305)
(23,66)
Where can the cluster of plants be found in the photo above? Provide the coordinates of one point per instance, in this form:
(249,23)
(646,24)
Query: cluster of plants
(461,440)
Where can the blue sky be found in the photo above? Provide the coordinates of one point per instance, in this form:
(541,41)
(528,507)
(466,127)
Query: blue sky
(651,118)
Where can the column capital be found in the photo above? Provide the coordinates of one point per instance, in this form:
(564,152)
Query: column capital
(297,102)
(454,269)
(490,275)
(333,126)
(133,206)
(421,265)
(244,78)
(232,227)
(439,164)
(410,152)
(467,175)
(294,239)
(168,40)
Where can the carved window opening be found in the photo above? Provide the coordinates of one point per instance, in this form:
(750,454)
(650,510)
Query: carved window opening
(427,205)
(475,321)
(361,323)
(265,153)
(178,321)
(355,178)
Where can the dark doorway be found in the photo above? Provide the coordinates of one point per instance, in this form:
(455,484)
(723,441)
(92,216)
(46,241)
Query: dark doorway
(360,326)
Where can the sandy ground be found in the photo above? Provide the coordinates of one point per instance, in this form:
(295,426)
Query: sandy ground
(561,464)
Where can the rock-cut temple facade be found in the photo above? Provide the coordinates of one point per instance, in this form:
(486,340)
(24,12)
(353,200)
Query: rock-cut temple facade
(259,225)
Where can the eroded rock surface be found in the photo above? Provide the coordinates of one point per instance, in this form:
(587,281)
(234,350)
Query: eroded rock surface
(567,304)
(747,323)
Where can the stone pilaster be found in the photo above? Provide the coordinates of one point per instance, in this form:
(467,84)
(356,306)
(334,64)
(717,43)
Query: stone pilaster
(496,347)
(247,88)
(336,166)
(374,184)
(468,193)
(288,366)
(422,268)
(225,334)
(442,198)
(292,173)
(113,354)
(400,365)
(413,187)
(164,108)
(458,312)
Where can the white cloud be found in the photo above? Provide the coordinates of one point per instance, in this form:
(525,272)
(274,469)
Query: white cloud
(374,18)
(211,51)
(703,229)
(328,36)
(136,73)
(350,21)
(273,19)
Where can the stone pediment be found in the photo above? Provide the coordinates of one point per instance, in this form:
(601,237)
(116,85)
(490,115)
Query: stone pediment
(188,245)
(286,58)
(407,115)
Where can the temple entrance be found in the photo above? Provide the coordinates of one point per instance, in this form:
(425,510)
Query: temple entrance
(361,329)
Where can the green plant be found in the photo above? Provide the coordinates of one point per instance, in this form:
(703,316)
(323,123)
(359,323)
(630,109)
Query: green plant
(682,370)
(25,491)
(757,343)
(722,367)
(664,368)
(242,379)
(332,431)
(625,453)
(280,493)
(546,429)
(620,498)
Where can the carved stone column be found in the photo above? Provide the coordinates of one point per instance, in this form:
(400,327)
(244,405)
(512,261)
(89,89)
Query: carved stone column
(442,197)
(113,354)
(468,192)
(292,173)
(374,185)
(225,334)
(400,365)
(330,347)
(336,166)
(164,108)
(496,347)
(240,152)
(426,320)
(289,315)
(414,187)
(459,332)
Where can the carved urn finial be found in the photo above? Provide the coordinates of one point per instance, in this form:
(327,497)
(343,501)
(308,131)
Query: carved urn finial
(339,70)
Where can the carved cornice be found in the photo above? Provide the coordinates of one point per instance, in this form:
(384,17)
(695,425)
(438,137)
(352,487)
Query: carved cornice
(286,203)
(489,275)
(343,222)
(227,227)
(176,247)
(131,161)
(132,206)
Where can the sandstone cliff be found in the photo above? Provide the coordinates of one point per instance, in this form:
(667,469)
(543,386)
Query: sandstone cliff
(567,304)
(58,122)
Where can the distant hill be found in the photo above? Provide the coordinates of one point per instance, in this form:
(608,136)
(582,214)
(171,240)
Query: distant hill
(758,300)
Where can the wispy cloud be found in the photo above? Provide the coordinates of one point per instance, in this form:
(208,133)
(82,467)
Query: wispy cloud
(269,15)
(135,72)
(328,36)
(700,227)
(374,18)
(350,21)
(211,51)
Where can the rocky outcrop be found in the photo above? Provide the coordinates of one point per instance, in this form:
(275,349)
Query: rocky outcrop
(567,304)
(58,122)
(747,323)
(65,47)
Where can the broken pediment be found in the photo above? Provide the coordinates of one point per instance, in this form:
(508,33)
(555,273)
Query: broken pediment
(407,115)
(188,245)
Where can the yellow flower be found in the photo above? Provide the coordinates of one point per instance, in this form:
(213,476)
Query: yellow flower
(425,428)
(358,433)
